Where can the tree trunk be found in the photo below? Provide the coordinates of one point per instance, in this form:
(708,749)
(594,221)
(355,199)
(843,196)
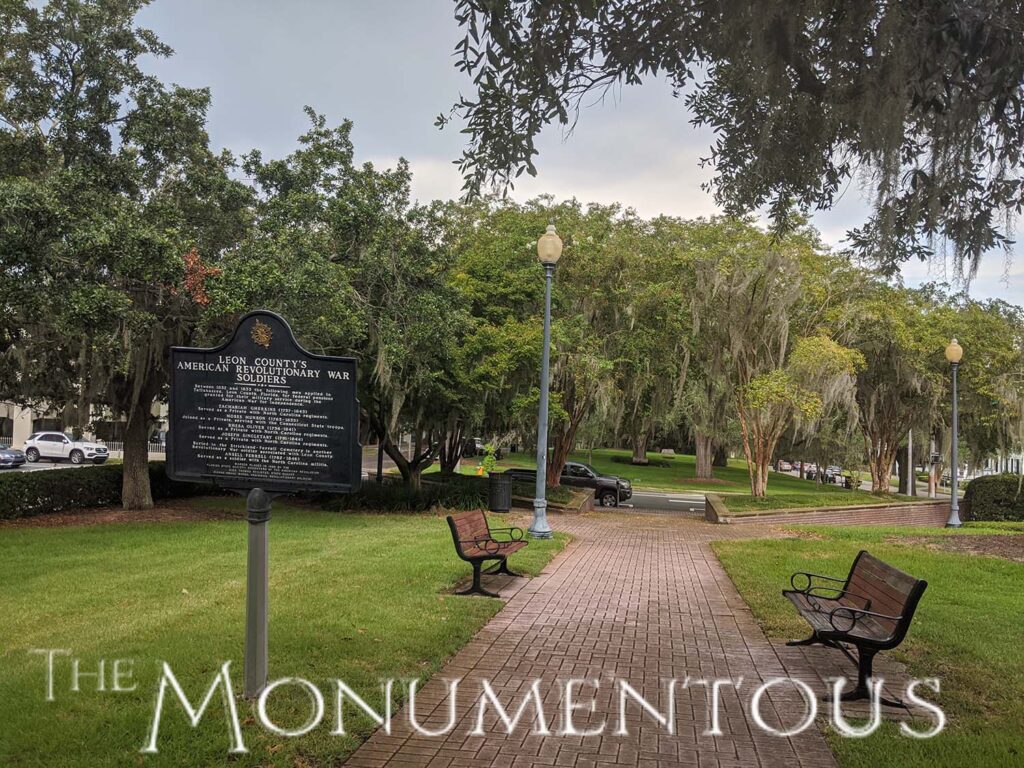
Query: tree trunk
(562,446)
(705,447)
(880,465)
(409,468)
(902,473)
(932,484)
(415,478)
(556,460)
(640,449)
(750,455)
(396,455)
(759,442)
(452,443)
(721,457)
(135,490)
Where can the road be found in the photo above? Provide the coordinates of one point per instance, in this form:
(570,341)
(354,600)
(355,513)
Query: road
(690,504)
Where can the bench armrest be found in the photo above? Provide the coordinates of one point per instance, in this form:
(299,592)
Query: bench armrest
(853,615)
(487,544)
(839,592)
(514,534)
(810,580)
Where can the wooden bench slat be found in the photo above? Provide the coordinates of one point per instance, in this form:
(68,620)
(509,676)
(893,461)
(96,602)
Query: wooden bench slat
(834,616)
(475,544)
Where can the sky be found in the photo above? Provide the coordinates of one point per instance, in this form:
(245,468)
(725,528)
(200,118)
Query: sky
(387,65)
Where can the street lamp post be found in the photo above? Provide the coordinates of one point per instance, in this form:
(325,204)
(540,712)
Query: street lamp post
(549,249)
(954,352)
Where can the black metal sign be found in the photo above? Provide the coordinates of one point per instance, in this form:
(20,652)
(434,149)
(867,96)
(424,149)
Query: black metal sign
(261,412)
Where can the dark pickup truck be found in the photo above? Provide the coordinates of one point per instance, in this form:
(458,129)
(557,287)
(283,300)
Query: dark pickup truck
(609,490)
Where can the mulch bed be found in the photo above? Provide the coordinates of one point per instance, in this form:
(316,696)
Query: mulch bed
(1008,547)
(179,510)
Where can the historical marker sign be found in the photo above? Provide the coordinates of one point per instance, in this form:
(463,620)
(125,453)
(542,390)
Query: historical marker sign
(261,412)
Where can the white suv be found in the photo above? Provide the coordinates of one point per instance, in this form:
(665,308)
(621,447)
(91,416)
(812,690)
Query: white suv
(57,446)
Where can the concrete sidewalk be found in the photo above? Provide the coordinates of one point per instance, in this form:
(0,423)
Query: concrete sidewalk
(636,598)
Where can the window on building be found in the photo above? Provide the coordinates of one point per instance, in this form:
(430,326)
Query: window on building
(47,424)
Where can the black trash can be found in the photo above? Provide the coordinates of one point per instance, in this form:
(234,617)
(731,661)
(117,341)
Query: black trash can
(499,492)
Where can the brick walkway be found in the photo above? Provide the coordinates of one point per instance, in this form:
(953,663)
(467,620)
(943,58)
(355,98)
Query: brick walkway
(635,598)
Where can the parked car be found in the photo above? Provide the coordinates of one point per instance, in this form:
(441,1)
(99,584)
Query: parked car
(56,446)
(11,457)
(783,466)
(609,490)
(828,475)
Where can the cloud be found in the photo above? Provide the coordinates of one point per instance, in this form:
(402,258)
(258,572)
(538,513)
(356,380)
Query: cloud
(388,65)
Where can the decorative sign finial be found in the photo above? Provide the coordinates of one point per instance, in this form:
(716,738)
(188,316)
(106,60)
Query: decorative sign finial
(262,334)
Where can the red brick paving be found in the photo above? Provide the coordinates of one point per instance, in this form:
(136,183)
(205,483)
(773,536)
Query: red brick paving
(637,598)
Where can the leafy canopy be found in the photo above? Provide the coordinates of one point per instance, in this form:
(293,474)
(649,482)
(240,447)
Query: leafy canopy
(920,100)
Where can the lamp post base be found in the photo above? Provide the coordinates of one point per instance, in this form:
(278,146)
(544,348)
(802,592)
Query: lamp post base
(954,518)
(539,528)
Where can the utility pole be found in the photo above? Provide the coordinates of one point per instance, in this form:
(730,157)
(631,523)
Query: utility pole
(911,490)
(932,481)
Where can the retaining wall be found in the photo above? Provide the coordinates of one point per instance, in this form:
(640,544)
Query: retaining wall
(927,513)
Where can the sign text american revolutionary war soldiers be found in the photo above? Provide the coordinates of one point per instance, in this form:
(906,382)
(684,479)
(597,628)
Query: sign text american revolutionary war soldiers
(261,412)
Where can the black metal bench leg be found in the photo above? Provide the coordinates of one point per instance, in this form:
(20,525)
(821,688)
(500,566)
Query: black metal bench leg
(865,662)
(502,567)
(477,588)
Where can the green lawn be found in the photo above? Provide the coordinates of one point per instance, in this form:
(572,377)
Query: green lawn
(749,503)
(967,632)
(674,473)
(355,597)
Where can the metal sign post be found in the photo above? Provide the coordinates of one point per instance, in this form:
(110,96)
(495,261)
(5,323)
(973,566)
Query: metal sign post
(260,414)
(257,589)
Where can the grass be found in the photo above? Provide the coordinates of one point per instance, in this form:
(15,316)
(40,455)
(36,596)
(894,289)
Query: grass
(796,500)
(676,473)
(355,597)
(967,632)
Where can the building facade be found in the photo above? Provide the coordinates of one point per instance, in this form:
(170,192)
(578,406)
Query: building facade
(17,423)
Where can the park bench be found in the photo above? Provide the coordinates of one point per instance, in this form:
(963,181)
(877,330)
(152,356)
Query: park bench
(870,609)
(476,544)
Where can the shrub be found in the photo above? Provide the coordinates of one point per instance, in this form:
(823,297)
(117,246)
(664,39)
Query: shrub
(559,495)
(24,494)
(459,492)
(994,497)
